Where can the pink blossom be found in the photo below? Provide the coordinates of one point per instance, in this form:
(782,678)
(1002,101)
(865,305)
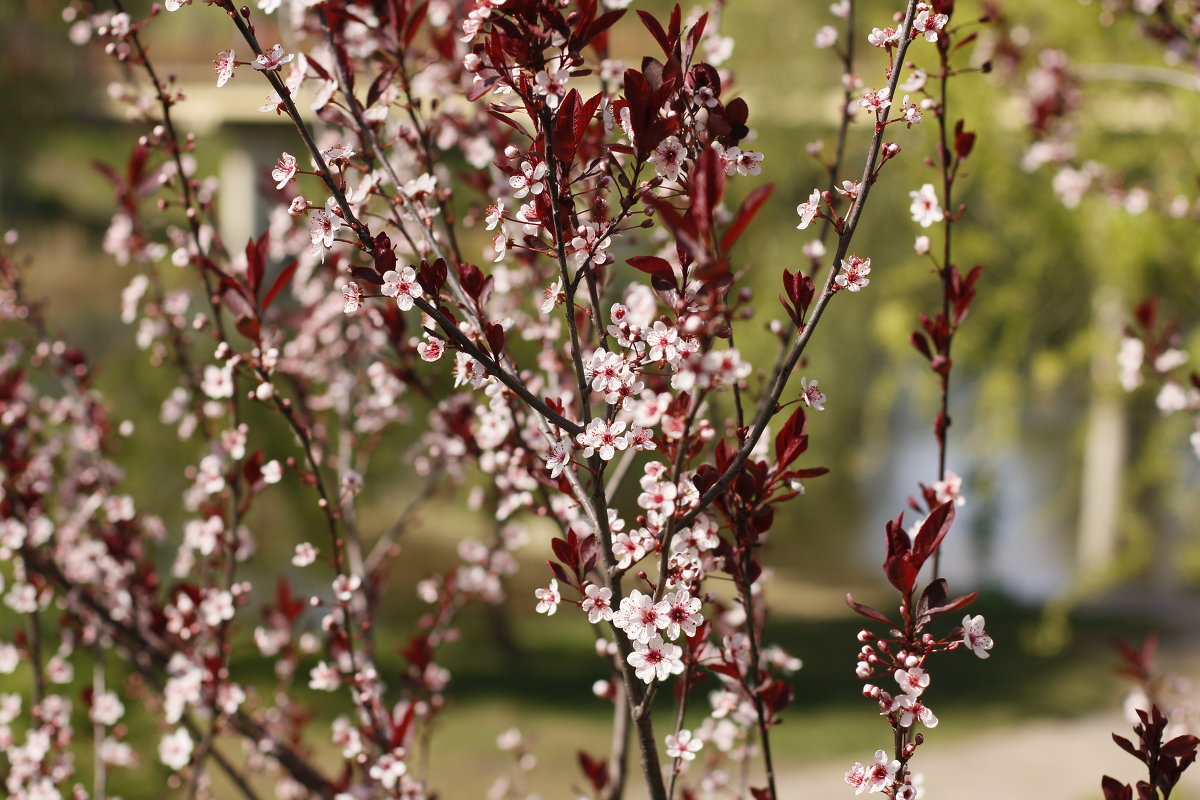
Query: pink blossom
(548,599)
(913,681)
(808,210)
(854,272)
(668,158)
(323,224)
(949,488)
(223,65)
(352,297)
(627,549)
(928,23)
(431,349)
(663,342)
(597,602)
(602,438)
(588,244)
(888,37)
(811,394)
(827,36)
(640,438)
(655,659)
(306,554)
(876,100)
(925,208)
(683,613)
(912,709)
(273,59)
(285,170)
(530,180)
(175,749)
(974,637)
(558,458)
(640,617)
(324,678)
(402,285)
(683,745)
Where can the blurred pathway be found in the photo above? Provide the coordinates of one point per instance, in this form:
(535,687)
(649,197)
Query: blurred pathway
(1038,760)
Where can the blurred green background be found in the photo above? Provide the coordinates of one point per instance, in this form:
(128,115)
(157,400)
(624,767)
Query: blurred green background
(1035,397)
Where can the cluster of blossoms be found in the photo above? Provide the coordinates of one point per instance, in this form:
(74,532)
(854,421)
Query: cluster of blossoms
(570,180)
(1149,352)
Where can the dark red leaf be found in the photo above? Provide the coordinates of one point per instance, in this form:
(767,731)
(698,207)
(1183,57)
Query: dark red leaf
(745,215)
(282,280)
(653,265)
(494,333)
(1115,790)
(867,611)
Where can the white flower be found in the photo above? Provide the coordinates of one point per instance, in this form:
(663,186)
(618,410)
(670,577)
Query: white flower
(808,211)
(974,637)
(925,208)
(655,659)
(175,749)
(683,745)
(548,599)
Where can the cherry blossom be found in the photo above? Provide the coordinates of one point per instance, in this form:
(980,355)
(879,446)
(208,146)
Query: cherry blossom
(880,775)
(285,170)
(640,617)
(849,189)
(655,659)
(324,678)
(949,488)
(887,37)
(921,245)
(628,548)
(558,457)
(402,285)
(743,162)
(273,59)
(912,709)
(548,599)
(827,36)
(974,637)
(588,244)
(323,225)
(811,394)
(597,602)
(808,210)
(431,349)
(853,275)
(928,23)
(913,681)
(663,342)
(175,5)
(668,157)
(530,180)
(175,749)
(552,296)
(305,554)
(876,100)
(925,209)
(910,111)
(683,613)
(602,438)
(499,246)
(352,297)
(683,745)
(224,65)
